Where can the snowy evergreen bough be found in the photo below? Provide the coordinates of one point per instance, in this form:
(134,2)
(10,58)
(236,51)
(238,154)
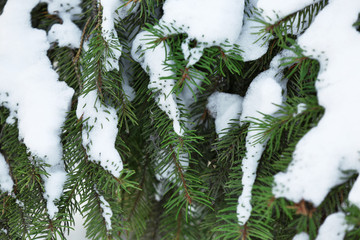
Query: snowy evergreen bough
(180,119)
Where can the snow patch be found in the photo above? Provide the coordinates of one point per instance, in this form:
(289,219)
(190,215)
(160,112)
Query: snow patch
(100,121)
(334,227)
(20,203)
(301,107)
(224,107)
(261,96)
(334,42)
(301,236)
(354,195)
(250,43)
(109,32)
(53,185)
(6,183)
(106,211)
(264,93)
(66,34)
(113,11)
(99,132)
(153,60)
(275,10)
(206,21)
(79,231)
(30,89)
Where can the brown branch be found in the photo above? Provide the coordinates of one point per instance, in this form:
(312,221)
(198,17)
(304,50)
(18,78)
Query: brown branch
(77,56)
(303,208)
(99,78)
(181,174)
(270,28)
(160,39)
(278,23)
(132,1)
(178,226)
(4,203)
(271,201)
(185,75)
(244,232)
(222,53)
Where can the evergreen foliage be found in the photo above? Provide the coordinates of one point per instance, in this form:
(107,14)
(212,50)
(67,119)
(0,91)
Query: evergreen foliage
(196,199)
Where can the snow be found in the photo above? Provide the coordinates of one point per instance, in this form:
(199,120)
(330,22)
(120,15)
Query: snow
(66,34)
(334,227)
(30,89)
(207,21)
(106,212)
(109,32)
(64,8)
(100,125)
(250,43)
(301,236)
(153,60)
(6,183)
(20,203)
(301,107)
(354,193)
(261,96)
(264,93)
(99,132)
(110,15)
(53,186)
(79,232)
(333,41)
(224,107)
(274,10)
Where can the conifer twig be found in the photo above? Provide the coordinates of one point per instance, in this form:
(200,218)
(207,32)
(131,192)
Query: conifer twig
(77,56)
(181,174)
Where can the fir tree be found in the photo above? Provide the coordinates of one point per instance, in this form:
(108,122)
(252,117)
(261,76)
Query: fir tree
(172,132)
